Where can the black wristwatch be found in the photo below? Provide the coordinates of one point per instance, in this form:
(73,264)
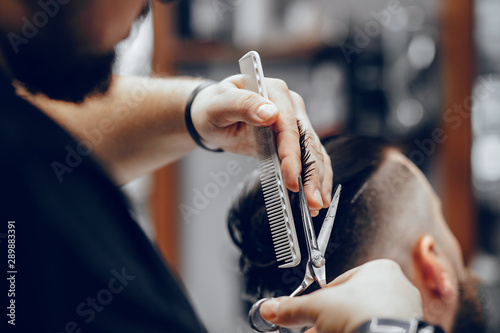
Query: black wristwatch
(376,325)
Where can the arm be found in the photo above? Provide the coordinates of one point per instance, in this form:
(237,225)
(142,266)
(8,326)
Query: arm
(138,126)
(134,129)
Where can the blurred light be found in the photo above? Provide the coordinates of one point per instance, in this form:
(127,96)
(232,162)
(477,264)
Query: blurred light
(302,19)
(204,26)
(486,158)
(413,18)
(410,112)
(485,116)
(326,100)
(397,22)
(421,51)
(486,31)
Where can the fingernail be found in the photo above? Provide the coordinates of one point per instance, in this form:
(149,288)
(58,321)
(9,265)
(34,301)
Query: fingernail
(266,111)
(268,309)
(317,197)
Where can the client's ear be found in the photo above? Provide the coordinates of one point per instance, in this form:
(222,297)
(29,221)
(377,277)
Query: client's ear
(435,282)
(432,276)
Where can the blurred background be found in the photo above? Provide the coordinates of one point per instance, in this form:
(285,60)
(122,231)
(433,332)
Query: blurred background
(424,74)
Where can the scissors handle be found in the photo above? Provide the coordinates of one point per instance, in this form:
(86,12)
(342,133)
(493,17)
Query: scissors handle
(308,280)
(257,322)
(314,246)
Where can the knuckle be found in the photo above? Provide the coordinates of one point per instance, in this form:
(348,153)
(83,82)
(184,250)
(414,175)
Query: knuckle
(317,151)
(279,84)
(233,79)
(248,101)
(298,99)
(290,156)
(328,171)
(321,157)
(293,312)
(327,159)
(295,154)
(284,312)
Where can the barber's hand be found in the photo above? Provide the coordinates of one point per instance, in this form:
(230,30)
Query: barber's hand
(375,289)
(223,115)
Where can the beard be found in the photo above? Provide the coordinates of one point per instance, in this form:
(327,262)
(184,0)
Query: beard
(470,316)
(52,64)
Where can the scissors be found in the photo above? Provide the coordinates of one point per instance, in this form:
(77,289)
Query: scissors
(316,248)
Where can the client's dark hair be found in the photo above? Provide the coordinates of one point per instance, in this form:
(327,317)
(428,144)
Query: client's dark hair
(354,161)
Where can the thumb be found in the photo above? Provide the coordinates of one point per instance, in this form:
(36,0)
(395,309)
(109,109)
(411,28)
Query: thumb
(290,312)
(239,105)
(346,276)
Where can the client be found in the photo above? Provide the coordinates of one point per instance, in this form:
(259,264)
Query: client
(387,210)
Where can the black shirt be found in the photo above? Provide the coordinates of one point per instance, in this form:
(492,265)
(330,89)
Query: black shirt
(79,263)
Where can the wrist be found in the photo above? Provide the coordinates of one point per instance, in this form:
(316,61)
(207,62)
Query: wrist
(189,121)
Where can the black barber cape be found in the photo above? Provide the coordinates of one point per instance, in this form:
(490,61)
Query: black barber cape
(78,262)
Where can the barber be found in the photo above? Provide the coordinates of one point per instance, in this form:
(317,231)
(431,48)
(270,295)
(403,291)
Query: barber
(71,133)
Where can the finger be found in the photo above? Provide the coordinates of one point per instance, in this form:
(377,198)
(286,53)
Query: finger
(384,265)
(326,186)
(289,312)
(287,133)
(346,276)
(313,188)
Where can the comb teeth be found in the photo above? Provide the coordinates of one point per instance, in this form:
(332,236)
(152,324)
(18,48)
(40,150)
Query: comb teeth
(280,218)
(279,214)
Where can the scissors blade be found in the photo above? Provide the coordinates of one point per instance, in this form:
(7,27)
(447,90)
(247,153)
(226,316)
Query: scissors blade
(316,260)
(326,228)
(312,242)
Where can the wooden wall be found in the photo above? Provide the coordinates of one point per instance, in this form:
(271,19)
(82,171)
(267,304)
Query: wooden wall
(166,187)
(458,76)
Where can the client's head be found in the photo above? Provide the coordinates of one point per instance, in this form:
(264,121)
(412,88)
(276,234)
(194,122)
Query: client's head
(388,210)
